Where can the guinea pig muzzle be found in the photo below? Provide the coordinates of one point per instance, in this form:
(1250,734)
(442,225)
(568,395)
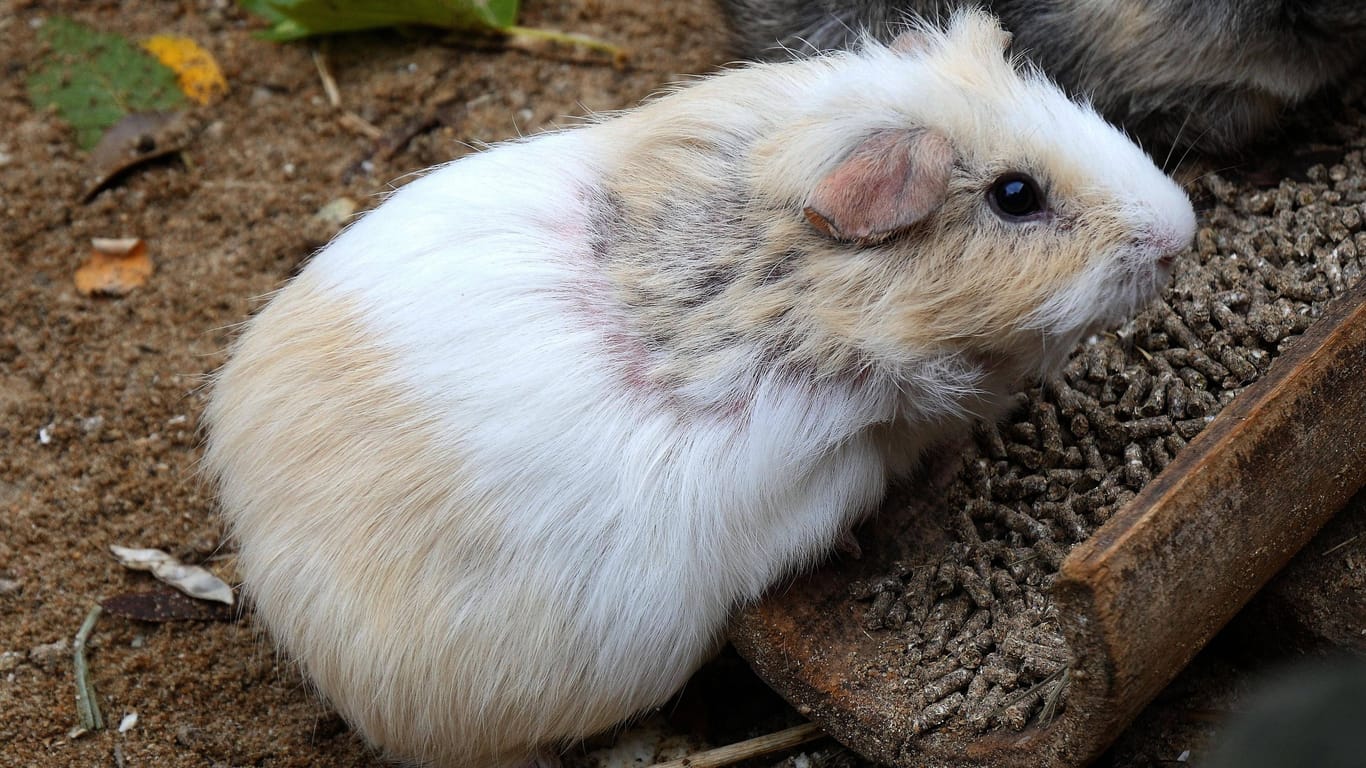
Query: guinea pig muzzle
(1169,245)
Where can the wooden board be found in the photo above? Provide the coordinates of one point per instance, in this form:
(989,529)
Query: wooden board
(1138,599)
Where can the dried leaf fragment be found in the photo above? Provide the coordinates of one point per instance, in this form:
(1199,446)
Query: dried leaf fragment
(165,604)
(197,72)
(115,267)
(191,579)
(133,141)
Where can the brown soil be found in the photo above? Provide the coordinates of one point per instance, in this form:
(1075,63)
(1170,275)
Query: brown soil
(114,384)
(100,397)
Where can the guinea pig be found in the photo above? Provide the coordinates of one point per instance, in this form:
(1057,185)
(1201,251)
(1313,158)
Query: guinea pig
(1212,76)
(505,456)
(1305,713)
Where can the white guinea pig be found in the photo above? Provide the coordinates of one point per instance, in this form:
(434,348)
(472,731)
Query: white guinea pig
(503,459)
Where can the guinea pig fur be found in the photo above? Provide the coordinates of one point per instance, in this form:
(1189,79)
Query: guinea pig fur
(505,456)
(1213,75)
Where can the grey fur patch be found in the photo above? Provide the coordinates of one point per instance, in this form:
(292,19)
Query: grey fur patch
(1176,74)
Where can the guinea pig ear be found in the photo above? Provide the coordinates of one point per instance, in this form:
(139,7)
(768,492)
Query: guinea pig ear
(890,181)
(1004,38)
(910,42)
(980,31)
(915,40)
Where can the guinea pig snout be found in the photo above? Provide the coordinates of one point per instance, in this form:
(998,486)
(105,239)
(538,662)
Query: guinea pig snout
(1169,245)
(1156,248)
(1166,243)
(1163,226)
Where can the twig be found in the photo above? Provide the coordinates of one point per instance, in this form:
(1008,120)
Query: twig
(1054,697)
(584,48)
(1336,547)
(1020,696)
(329,85)
(87,705)
(744,750)
(348,119)
(354,122)
(545,43)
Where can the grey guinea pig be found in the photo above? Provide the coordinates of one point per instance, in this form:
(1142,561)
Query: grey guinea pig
(504,457)
(1176,74)
(1306,714)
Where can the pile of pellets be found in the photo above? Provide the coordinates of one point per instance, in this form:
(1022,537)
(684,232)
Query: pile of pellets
(973,635)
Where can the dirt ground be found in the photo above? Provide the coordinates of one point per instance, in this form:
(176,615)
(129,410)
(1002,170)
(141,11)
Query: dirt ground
(100,397)
(115,383)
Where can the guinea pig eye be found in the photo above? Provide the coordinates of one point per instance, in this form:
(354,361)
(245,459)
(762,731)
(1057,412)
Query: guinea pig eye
(1015,197)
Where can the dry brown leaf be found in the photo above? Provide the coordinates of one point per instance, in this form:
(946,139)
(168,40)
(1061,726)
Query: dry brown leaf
(133,141)
(115,267)
(166,605)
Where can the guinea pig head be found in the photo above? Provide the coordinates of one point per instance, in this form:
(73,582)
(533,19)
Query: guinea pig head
(964,204)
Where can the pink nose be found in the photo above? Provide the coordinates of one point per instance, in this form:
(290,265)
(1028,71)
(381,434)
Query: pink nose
(1171,245)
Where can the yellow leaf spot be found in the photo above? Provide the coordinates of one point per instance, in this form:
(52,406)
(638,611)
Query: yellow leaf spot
(196,70)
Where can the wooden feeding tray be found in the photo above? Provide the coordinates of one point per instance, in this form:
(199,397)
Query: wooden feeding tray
(1135,601)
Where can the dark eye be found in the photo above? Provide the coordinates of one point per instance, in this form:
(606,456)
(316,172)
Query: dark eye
(1015,196)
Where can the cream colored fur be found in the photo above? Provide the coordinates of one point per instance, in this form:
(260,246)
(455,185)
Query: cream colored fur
(505,456)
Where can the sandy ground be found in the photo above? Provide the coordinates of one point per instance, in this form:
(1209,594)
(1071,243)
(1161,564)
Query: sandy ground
(100,398)
(114,383)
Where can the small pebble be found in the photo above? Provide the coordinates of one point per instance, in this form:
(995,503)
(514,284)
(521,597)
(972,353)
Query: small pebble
(49,655)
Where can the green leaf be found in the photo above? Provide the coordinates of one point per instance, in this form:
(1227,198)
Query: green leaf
(294,19)
(95,78)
